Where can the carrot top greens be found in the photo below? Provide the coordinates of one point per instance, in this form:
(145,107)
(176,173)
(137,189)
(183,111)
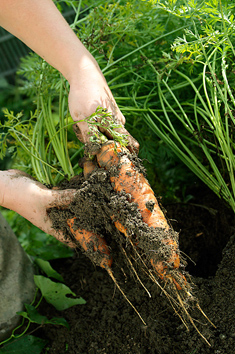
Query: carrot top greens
(103,119)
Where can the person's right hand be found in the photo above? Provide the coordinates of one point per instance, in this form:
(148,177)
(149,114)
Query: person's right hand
(88,90)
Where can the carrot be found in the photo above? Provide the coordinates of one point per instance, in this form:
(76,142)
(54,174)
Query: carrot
(94,245)
(88,167)
(133,182)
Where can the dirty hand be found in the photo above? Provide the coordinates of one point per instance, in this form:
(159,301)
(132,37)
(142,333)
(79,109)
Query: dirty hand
(31,199)
(88,90)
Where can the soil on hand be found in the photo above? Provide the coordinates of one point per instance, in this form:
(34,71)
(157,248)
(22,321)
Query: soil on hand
(107,323)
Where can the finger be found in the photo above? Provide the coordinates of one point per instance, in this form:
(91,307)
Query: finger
(85,135)
(62,198)
(119,118)
(133,145)
(82,132)
(59,235)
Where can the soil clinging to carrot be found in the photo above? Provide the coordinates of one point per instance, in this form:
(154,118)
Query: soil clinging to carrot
(95,205)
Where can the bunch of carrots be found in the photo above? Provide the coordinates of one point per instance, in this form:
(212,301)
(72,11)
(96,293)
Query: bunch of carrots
(133,182)
(162,264)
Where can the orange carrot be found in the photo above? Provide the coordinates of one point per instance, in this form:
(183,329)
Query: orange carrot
(133,182)
(94,245)
(160,268)
(88,167)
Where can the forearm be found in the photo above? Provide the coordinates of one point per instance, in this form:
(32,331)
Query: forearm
(17,192)
(41,27)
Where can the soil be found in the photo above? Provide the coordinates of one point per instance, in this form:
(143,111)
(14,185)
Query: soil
(107,323)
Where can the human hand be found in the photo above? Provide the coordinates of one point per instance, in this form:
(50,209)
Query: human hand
(42,27)
(88,90)
(32,200)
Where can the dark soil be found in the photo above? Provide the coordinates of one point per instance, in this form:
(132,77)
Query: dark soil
(108,324)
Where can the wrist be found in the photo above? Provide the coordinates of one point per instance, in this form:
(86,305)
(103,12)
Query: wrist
(7,188)
(79,62)
(18,190)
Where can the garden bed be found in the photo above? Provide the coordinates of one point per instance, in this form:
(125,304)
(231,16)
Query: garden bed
(108,324)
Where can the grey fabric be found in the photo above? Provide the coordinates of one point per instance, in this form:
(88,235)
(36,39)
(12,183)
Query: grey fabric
(16,279)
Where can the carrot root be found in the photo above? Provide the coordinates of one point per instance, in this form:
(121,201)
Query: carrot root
(124,295)
(94,245)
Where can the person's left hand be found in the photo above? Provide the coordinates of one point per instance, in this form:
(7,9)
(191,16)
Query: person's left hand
(32,200)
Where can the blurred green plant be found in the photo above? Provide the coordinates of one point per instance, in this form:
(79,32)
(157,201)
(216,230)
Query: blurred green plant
(40,142)
(25,344)
(199,127)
